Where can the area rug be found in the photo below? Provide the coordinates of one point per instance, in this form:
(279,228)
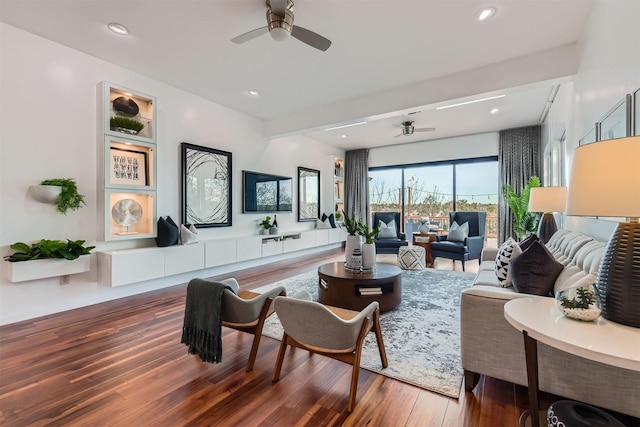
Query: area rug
(421,335)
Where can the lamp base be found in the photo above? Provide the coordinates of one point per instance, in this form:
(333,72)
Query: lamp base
(547,227)
(619,276)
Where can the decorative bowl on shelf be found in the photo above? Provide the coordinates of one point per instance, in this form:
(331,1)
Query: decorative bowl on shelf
(580,302)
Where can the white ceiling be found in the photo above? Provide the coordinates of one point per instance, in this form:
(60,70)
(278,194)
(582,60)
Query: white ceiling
(387,58)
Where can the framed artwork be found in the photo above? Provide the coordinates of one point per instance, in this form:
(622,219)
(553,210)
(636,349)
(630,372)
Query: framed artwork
(206,186)
(617,122)
(308,194)
(127,167)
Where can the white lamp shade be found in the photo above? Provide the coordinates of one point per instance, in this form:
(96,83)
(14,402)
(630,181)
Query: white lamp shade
(605,179)
(547,199)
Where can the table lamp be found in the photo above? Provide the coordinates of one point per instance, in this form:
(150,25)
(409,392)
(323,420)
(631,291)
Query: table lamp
(605,182)
(547,200)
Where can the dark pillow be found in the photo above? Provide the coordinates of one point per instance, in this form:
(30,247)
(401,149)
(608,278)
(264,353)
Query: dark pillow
(331,218)
(167,232)
(535,271)
(524,244)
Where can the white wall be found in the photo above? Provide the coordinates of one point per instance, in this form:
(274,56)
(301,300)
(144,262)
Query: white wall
(460,147)
(609,69)
(48,130)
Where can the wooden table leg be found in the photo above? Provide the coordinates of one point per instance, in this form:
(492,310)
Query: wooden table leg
(531,355)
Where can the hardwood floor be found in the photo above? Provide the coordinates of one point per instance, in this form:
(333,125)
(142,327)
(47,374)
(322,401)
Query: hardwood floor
(120,363)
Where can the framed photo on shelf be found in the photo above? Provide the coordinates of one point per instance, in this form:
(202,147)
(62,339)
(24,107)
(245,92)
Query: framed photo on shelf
(206,186)
(127,167)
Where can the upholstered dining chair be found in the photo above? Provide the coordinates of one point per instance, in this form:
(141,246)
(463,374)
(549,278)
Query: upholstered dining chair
(458,247)
(389,241)
(247,311)
(330,331)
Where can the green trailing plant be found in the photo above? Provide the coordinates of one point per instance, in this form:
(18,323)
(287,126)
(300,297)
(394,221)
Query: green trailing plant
(338,215)
(369,234)
(46,249)
(266,223)
(584,299)
(351,224)
(524,222)
(69,196)
(125,123)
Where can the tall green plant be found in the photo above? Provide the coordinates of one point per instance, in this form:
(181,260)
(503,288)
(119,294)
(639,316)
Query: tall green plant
(524,222)
(351,224)
(369,234)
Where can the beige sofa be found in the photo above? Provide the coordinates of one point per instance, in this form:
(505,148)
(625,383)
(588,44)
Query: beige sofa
(491,346)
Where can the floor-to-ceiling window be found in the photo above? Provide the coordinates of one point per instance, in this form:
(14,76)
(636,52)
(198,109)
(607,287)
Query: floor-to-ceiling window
(434,189)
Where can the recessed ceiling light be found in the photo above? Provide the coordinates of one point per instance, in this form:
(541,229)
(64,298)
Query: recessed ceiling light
(118,28)
(494,110)
(346,126)
(253,92)
(470,102)
(344,135)
(486,13)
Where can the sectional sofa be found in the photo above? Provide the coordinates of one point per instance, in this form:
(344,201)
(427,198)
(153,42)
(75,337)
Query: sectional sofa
(491,346)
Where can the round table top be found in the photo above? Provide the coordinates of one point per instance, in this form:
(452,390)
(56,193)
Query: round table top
(381,271)
(601,340)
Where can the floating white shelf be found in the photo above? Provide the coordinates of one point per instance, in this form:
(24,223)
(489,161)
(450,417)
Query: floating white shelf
(22,271)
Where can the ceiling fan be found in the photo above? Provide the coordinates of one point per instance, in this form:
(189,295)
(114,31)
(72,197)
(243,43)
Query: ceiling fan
(280,27)
(409,129)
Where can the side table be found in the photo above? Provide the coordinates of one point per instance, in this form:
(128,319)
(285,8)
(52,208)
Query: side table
(601,340)
(424,240)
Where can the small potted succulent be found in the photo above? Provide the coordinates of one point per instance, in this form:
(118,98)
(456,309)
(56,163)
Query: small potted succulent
(265,225)
(579,302)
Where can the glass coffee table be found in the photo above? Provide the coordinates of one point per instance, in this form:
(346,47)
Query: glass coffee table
(340,287)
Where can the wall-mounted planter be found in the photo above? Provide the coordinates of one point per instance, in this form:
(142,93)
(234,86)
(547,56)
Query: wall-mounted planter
(45,193)
(42,268)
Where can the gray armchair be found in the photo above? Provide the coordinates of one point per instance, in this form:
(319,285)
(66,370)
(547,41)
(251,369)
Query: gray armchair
(389,245)
(471,248)
(247,311)
(329,331)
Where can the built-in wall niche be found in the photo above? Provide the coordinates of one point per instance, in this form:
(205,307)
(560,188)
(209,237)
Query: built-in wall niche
(130,215)
(124,106)
(129,164)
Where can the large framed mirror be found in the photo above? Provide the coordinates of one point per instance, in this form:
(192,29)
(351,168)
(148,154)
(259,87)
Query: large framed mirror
(308,194)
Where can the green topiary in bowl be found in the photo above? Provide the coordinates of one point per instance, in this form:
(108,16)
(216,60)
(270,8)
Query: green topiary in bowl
(125,124)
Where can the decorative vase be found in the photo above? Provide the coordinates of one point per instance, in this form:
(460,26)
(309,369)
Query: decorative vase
(356,260)
(368,256)
(273,230)
(263,231)
(580,302)
(424,228)
(353,242)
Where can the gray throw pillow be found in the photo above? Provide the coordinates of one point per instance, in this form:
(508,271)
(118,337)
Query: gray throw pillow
(458,233)
(388,231)
(535,271)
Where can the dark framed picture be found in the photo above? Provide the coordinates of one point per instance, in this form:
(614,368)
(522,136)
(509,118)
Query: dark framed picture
(206,186)
(308,194)
(128,167)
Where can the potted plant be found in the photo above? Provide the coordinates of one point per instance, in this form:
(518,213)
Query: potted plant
(369,246)
(126,125)
(579,302)
(524,222)
(47,258)
(354,240)
(265,225)
(69,197)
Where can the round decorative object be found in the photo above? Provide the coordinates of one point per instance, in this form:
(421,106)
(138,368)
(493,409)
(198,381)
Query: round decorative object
(126,212)
(125,106)
(568,413)
(273,230)
(580,303)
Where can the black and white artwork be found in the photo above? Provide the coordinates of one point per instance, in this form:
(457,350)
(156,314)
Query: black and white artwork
(128,167)
(206,186)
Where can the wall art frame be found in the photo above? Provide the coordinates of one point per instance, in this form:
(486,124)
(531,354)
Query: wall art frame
(308,194)
(206,186)
(128,167)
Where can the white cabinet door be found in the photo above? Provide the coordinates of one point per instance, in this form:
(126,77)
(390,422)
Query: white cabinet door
(220,252)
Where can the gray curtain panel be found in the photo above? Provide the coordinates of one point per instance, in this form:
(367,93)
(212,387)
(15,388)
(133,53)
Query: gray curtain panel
(356,183)
(519,160)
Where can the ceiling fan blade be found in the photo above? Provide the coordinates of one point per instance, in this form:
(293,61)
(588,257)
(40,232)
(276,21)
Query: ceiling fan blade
(250,35)
(310,38)
(424,129)
(278,6)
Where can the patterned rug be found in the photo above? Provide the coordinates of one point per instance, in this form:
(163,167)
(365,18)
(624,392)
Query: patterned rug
(421,335)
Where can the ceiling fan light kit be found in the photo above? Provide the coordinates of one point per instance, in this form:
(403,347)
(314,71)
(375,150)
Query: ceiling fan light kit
(280,27)
(408,128)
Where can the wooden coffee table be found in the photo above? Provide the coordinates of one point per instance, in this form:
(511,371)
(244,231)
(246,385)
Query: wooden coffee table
(343,288)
